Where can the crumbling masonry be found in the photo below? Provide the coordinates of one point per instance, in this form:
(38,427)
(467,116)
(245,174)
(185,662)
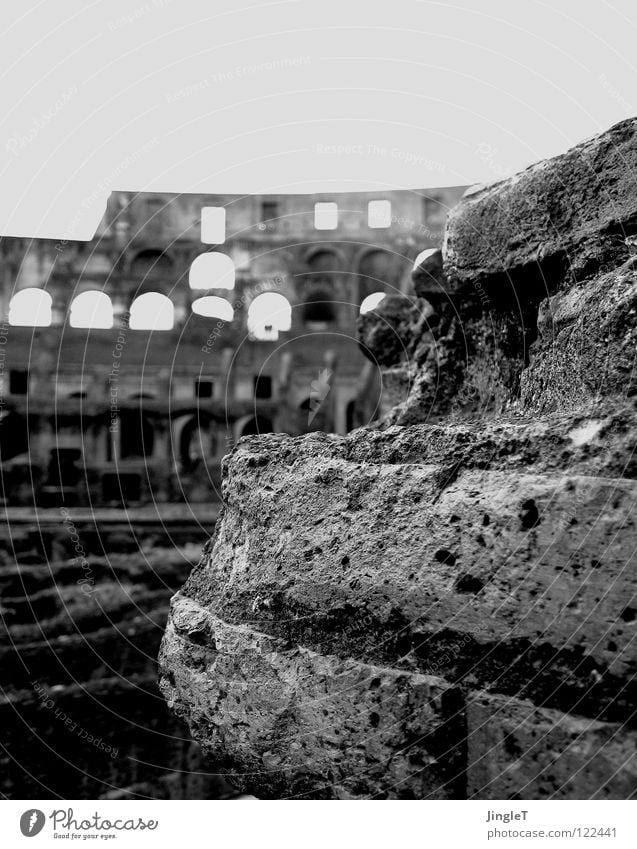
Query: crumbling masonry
(443,605)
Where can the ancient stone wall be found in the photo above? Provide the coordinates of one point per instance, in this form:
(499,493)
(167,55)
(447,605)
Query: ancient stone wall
(443,605)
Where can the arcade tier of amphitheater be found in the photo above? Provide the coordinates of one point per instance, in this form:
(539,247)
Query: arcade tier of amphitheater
(131,363)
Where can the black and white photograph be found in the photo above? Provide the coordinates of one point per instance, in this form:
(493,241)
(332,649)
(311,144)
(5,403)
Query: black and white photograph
(318,410)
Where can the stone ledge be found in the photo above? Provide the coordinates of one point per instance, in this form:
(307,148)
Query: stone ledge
(300,723)
(295,723)
(572,212)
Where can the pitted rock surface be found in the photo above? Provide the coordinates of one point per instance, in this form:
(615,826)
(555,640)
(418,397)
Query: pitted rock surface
(444,605)
(572,213)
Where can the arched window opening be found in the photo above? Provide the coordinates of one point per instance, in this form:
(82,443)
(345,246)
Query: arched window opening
(268,315)
(151,263)
(195,444)
(323,266)
(152,311)
(376,264)
(256,425)
(372,301)
(211,270)
(30,308)
(319,308)
(212,306)
(378,269)
(324,261)
(93,310)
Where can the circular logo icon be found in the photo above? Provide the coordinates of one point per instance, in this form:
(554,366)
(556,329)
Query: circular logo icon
(32,822)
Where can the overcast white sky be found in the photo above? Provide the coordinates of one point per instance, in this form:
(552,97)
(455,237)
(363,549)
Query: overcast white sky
(294,96)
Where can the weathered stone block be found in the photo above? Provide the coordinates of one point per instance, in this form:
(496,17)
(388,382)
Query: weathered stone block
(517,751)
(572,212)
(300,723)
(426,555)
(480,570)
(587,339)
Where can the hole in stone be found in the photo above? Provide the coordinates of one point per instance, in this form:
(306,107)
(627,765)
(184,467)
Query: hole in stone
(374,719)
(511,746)
(529,514)
(444,556)
(629,614)
(486,520)
(469,584)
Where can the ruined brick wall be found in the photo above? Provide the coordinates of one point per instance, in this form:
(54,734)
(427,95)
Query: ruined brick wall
(443,605)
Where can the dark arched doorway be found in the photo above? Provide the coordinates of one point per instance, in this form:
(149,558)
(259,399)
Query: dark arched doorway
(151,263)
(319,307)
(137,436)
(196,444)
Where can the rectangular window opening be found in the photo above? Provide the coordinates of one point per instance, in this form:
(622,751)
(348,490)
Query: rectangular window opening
(18,382)
(263,386)
(325,216)
(213,225)
(204,388)
(379,213)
